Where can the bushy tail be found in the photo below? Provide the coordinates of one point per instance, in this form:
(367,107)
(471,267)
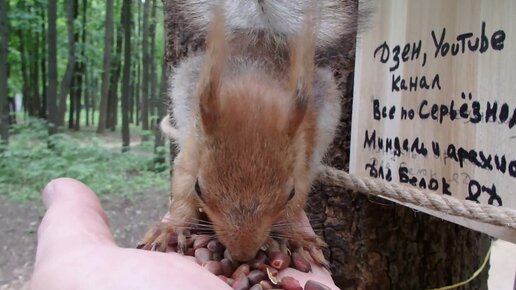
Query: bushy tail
(337,18)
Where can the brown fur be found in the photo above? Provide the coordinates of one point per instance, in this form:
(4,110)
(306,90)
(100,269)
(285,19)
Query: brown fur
(252,151)
(254,119)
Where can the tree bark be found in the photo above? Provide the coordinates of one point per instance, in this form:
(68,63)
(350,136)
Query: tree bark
(4,52)
(108,45)
(145,66)
(126,24)
(52,68)
(373,243)
(66,82)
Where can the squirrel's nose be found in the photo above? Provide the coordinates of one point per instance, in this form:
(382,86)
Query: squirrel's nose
(242,255)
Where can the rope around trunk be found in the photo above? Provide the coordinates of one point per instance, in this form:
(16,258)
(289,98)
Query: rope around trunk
(490,214)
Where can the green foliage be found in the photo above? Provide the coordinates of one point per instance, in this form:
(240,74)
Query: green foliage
(28,18)
(26,165)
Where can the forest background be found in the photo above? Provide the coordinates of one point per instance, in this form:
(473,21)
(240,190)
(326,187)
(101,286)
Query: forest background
(80,83)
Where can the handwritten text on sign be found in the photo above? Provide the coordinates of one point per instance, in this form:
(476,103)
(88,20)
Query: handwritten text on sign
(435,98)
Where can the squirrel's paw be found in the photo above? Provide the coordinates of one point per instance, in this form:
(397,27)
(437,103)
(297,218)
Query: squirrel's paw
(302,248)
(307,247)
(164,238)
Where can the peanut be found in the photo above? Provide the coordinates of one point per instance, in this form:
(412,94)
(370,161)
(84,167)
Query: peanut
(256,276)
(202,255)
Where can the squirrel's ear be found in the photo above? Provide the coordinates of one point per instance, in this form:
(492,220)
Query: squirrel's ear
(210,79)
(301,70)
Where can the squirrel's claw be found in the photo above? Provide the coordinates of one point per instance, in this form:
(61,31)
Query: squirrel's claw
(318,256)
(160,238)
(182,244)
(306,247)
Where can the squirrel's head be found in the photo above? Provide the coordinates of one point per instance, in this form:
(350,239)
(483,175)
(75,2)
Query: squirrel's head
(255,146)
(248,158)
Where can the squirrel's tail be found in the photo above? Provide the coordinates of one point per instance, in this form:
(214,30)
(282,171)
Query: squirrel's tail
(336,18)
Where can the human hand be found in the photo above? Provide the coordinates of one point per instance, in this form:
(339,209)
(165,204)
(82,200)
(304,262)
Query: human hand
(76,251)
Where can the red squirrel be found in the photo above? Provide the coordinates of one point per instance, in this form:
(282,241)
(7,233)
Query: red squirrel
(253,117)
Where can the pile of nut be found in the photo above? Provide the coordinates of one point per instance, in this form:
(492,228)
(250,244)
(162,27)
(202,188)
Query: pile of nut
(260,273)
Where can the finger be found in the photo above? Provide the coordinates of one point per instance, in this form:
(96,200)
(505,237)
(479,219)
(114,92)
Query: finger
(74,217)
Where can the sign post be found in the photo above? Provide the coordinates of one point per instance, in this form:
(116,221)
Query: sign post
(435,100)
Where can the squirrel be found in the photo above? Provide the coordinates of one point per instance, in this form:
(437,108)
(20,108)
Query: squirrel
(253,116)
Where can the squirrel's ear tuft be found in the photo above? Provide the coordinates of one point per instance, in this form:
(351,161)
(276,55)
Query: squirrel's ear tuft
(301,70)
(210,79)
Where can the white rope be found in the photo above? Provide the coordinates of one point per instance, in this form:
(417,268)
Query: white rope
(490,214)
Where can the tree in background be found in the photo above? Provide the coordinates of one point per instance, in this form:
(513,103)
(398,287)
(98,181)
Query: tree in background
(159,139)
(153,100)
(74,112)
(146,68)
(4,46)
(66,82)
(108,45)
(43,64)
(126,24)
(53,118)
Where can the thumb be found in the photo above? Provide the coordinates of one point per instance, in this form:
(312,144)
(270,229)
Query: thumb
(74,217)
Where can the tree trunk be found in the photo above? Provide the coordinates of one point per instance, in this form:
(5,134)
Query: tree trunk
(137,102)
(43,64)
(126,24)
(66,82)
(81,70)
(115,79)
(153,102)
(132,95)
(35,103)
(159,139)
(108,45)
(52,68)
(86,94)
(71,110)
(145,66)
(373,243)
(75,92)
(4,52)
(25,77)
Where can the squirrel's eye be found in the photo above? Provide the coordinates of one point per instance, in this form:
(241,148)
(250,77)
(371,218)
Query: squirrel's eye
(291,195)
(198,189)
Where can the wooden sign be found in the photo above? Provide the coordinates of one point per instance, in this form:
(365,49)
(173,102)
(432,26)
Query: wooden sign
(435,98)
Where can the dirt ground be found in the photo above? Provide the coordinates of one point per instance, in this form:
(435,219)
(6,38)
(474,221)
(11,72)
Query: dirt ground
(129,218)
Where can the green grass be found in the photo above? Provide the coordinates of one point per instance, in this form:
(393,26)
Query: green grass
(26,164)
